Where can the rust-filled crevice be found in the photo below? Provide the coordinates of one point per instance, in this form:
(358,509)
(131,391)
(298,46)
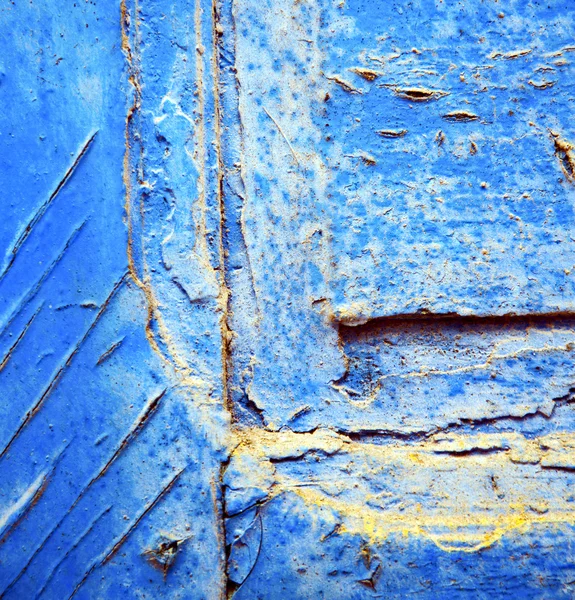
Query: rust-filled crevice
(564,151)
(425,318)
(344,84)
(224,301)
(460,116)
(367,74)
(392,133)
(418,94)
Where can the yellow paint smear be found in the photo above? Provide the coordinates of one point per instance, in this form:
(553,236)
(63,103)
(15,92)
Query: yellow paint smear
(514,492)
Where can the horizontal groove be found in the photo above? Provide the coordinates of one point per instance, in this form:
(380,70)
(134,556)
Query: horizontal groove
(454,318)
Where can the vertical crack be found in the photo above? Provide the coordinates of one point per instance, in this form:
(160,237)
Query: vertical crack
(224,294)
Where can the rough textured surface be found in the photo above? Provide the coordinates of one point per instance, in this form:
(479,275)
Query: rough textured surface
(450,516)
(110,373)
(399,162)
(469,211)
(400,233)
(286,299)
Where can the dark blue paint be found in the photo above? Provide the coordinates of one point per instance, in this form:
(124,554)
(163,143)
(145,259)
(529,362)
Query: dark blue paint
(100,438)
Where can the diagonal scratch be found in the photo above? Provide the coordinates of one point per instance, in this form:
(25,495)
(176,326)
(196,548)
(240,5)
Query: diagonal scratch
(56,379)
(44,207)
(105,355)
(165,490)
(26,502)
(32,292)
(150,408)
(30,560)
(88,529)
(110,554)
(18,510)
(283,135)
(19,338)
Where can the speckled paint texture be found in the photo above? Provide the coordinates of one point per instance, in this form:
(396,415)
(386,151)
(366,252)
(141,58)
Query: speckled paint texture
(286,299)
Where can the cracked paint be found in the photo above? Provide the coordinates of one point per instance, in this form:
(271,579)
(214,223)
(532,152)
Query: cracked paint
(286,300)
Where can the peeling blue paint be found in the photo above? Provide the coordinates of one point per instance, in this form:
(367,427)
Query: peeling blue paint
(286,299)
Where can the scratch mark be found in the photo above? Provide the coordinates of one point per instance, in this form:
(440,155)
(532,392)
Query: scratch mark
(419,94)
(299,412)
(541,85)
(31,293)
(510,55)
(149,410)
(345,85)
(40,548)
(390,133)
(165,490)
(31,559)
(86,531)
(19,338)
(367,74)
(19,510)
(184,291)
(26,502)
(472,451)
(460,116)
(88,305)
(136,428)
(283,135)
(110,554)
(106,355)
(335,531)
(44,207)
(233,589)
(31,413)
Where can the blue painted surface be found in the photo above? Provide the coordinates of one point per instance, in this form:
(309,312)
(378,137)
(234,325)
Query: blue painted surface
(468,211)
(286,299)
(401,228)
(103,437)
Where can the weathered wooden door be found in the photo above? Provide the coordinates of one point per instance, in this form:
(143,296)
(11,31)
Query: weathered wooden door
(287,299)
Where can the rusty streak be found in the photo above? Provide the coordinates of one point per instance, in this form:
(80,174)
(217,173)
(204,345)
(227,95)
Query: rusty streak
(106,355)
